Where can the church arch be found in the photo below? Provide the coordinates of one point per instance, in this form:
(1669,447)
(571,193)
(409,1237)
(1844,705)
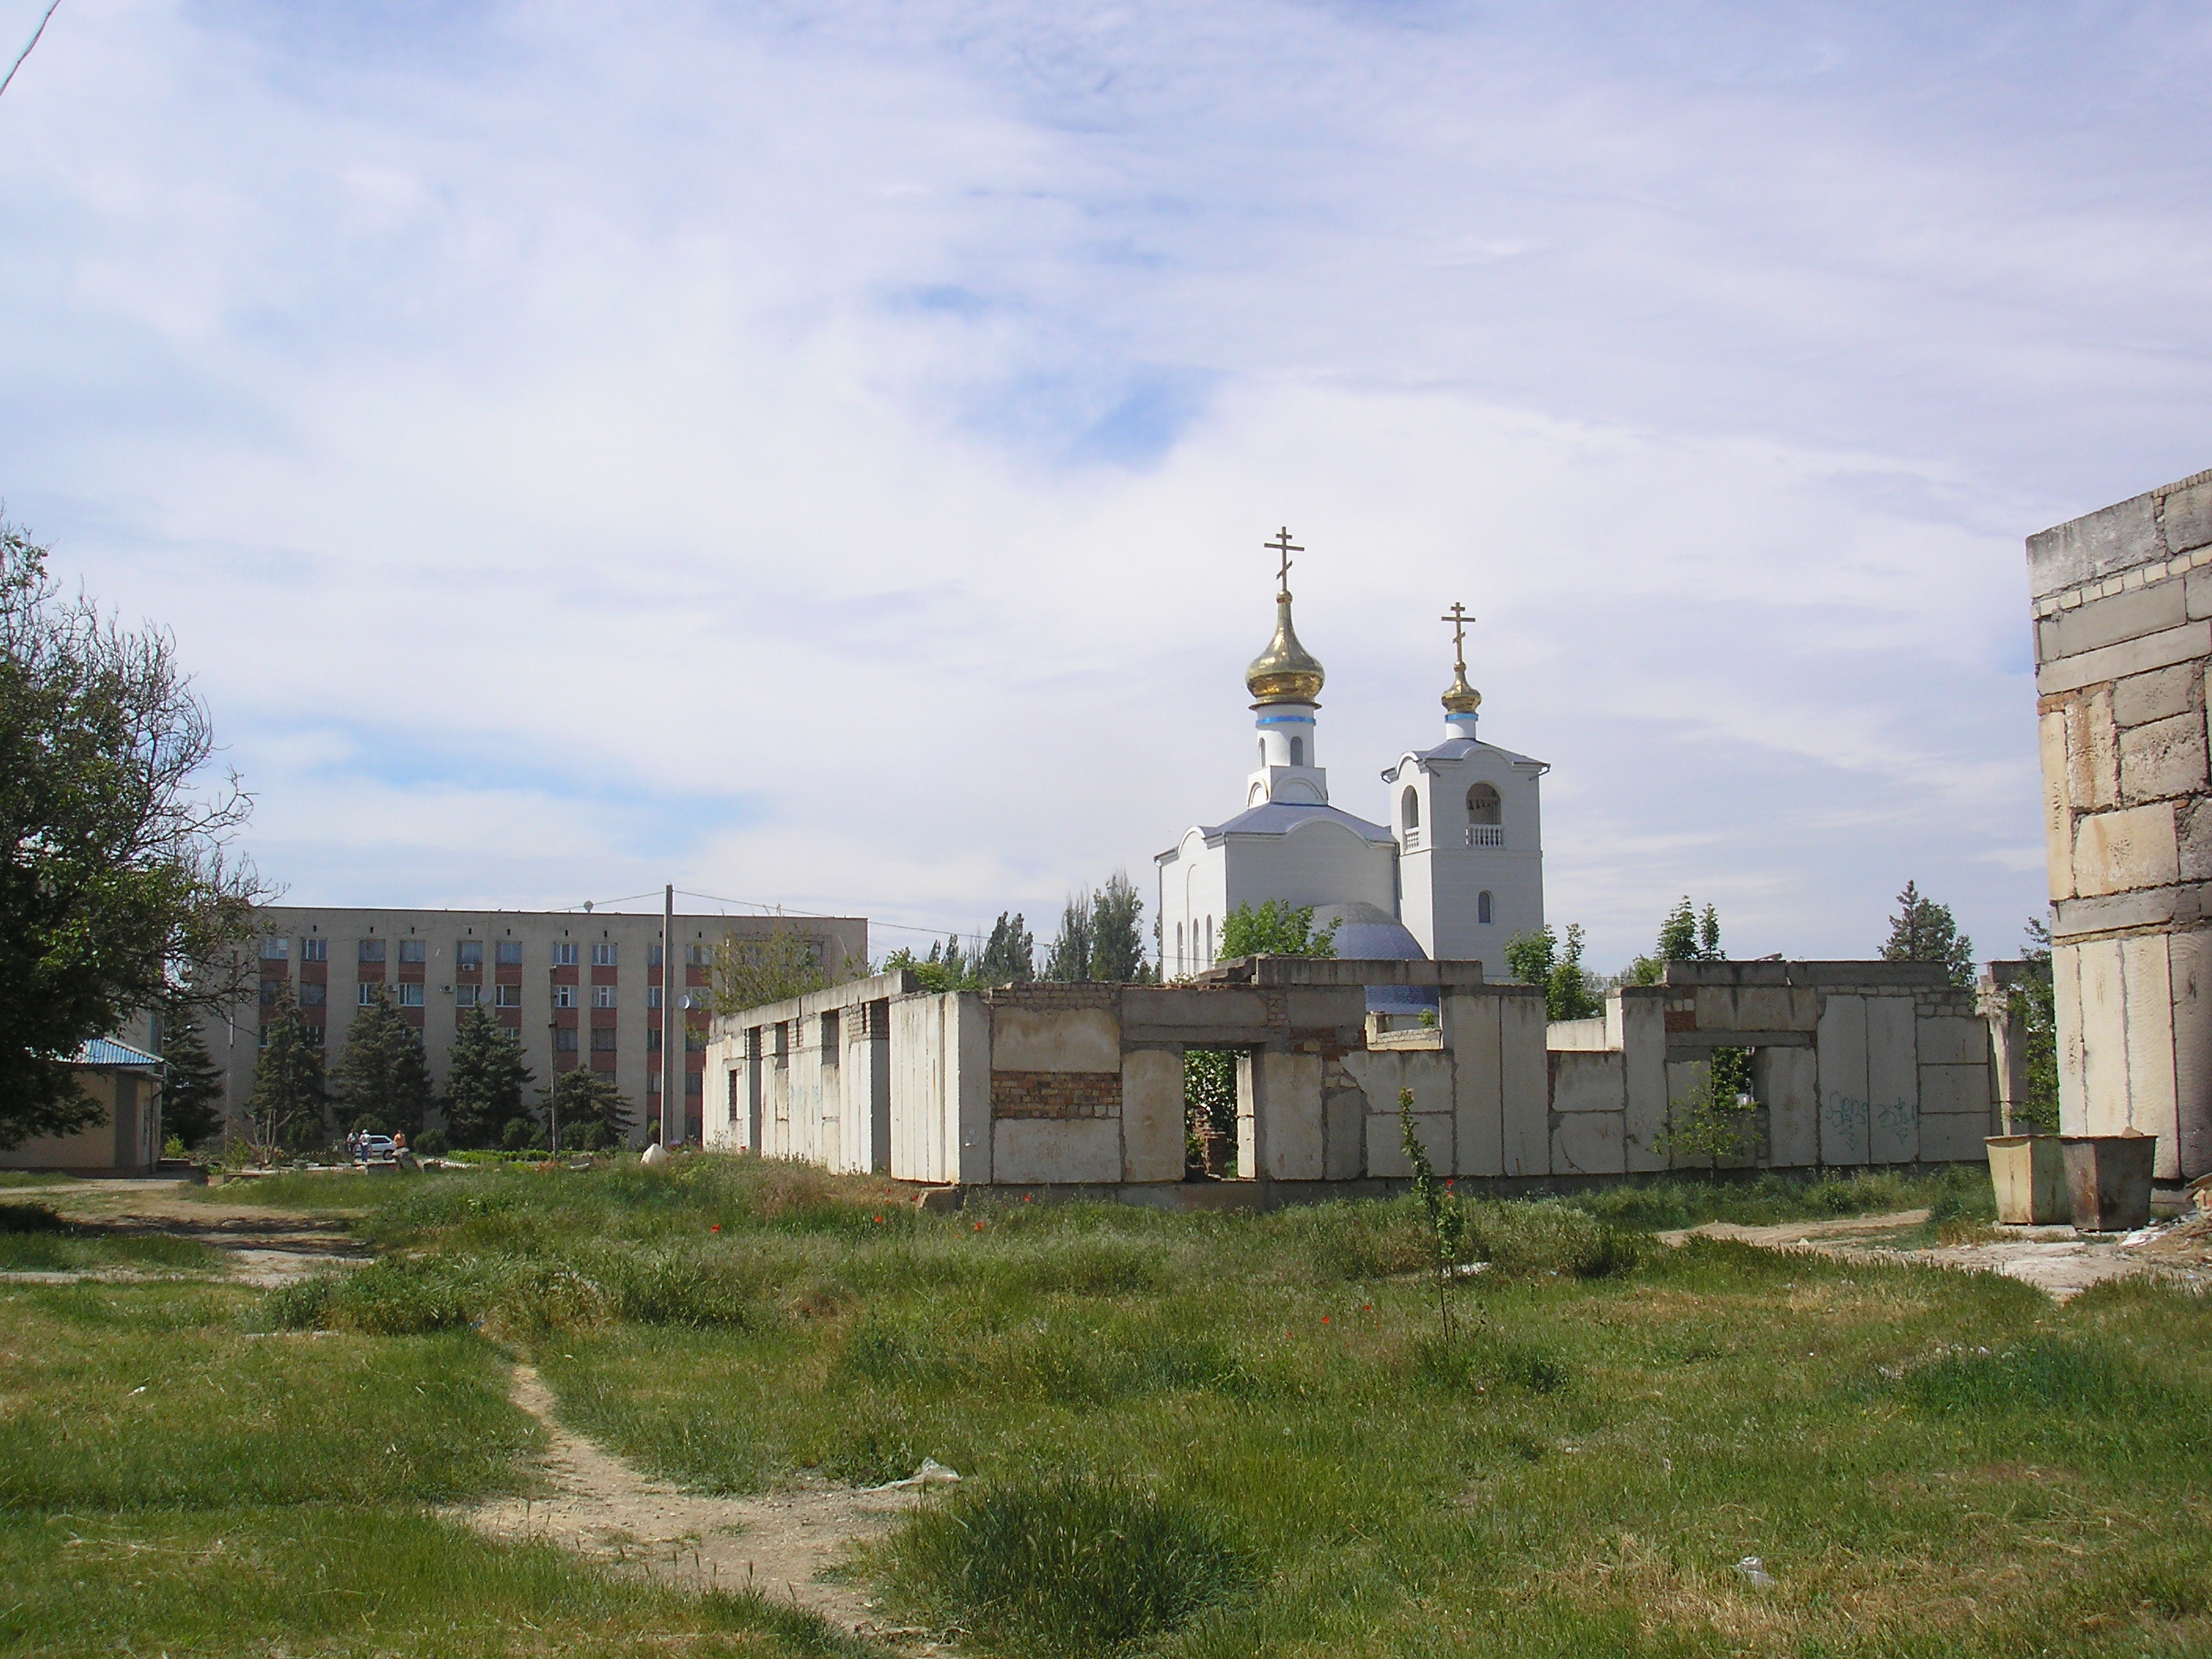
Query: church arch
(1482,907)
(1297,752)
(1483,805)
(1410,808)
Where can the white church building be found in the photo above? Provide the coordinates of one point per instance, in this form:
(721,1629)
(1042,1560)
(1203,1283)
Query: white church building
(1457,872)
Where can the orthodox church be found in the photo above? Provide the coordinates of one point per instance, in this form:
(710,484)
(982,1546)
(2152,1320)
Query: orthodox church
(1457,871)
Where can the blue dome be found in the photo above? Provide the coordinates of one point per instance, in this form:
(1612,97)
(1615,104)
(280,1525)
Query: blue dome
(1367,933)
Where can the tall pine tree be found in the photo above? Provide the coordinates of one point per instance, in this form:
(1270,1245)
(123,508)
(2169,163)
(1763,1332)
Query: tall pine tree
(1009,956)
(1924,931)
(1117,934)
(191,1089)
(1068,960)
(484,1080)
(593,1112)
(381,1077)
(285,1109)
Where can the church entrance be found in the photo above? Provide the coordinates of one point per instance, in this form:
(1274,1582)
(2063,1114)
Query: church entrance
(1209,1110)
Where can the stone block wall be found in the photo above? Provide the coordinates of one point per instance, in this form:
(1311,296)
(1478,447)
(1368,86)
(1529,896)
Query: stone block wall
(2123,614)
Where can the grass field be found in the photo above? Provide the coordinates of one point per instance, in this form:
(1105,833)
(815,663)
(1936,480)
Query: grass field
(1191,1435)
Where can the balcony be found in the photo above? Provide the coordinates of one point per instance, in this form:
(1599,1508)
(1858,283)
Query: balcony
(1485,835)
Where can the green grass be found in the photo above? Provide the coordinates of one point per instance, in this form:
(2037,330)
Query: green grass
(33,1178)
(34,1238)
(1203,1435)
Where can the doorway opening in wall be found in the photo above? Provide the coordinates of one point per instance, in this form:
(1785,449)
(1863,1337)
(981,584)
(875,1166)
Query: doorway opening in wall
(1209,1114)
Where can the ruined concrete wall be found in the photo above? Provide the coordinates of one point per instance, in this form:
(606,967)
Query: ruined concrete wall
(2123,604)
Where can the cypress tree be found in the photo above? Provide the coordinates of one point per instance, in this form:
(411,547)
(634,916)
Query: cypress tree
(192,1089)
(1924,931)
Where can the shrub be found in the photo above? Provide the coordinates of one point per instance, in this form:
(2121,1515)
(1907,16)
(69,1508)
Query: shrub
(1071,1565)
(431,1143)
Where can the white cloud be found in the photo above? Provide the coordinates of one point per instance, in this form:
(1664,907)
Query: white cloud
(822,455)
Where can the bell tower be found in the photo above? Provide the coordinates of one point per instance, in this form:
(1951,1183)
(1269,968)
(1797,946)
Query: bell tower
(1285,681)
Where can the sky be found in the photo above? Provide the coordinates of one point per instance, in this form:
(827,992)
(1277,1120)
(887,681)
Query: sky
(821,454)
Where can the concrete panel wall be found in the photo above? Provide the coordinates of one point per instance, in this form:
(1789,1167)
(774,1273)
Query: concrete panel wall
(1641,1017)
(1289,1138)
(1043,1151)
(1893,1080)
(1471,1031)
(1788,1081)
(1842,1058)
(1151,1119)
(1525,1082)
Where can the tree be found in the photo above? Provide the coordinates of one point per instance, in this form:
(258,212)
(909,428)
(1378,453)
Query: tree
(1440,1208)
(753,973)
(946,967)
(1684,936)
(1275,929)
(1118,955)
(192,1088)
(484,1080)
(1009,956)
(1924,931)
(286,1107)
(1542,958)
(116,890)
(2033,1000)
(381,1075)
(1067,961)
(593,1112)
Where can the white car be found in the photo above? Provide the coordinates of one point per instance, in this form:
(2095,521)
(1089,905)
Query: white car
(377,1148)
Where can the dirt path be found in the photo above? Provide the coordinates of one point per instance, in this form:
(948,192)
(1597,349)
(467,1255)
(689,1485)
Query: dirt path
(777,1545)
(261,1247)
(2054,1260)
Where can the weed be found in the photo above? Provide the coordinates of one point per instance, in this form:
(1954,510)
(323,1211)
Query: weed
(1072,1565)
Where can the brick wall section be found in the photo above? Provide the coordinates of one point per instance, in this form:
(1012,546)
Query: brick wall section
(1055,1094)
(2122,600)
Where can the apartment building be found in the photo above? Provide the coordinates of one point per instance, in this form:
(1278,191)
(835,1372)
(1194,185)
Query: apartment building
(577,988)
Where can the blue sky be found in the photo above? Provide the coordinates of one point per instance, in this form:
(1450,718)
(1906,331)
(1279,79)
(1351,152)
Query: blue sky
(821,453)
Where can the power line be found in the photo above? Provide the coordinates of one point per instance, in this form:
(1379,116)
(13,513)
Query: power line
(26,52)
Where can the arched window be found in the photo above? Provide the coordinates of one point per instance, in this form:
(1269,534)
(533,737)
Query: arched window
(1263,752)
(1482,909)
(1412,814)
(1209,942)
(1297,752)
(1179,967)
(1483,805)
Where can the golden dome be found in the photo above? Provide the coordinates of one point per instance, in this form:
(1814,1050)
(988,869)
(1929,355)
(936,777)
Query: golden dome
(1285,672)
(1460,697)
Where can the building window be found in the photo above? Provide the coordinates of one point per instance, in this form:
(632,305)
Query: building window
(564,955)
(603,955)
(510,953)
(265,1036)
(653,1039)
(1297,752)
(734,1097)
(313,996)
(564,1039)
(507,996)
(652,1082)
(694,1040)
(695,1083)
(469,953)
(313,1034)
(1209,938)
(314,949)
(1178,947)
(410,995)
(372,950)
(653,996)
(467,996)
(1483,805)
(602,996)
(564,996)
(602,1039)
(412,950)
(695,954)
(363,995)
(269,991)
(1482,909)
(273,950)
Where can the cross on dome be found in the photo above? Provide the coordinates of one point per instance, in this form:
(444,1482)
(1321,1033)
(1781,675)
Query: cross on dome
(1460,699)
(1283,545)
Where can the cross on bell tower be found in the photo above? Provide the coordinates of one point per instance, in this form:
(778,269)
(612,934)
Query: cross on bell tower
(1461,700)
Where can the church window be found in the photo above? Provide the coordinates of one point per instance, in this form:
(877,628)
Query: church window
(1412,812)
(1482,909)
(1179,965)
(1297,752)
(1209,938)
(1483,805)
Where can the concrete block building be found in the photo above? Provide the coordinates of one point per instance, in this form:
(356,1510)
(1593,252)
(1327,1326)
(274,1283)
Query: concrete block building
(1079,1087)
(2122,607)
(577,988)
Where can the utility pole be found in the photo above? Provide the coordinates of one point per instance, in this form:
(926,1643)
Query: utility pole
(553,1082)
(671,1026)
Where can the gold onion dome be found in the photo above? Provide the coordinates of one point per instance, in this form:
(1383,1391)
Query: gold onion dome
(1285,672)
(1460,697)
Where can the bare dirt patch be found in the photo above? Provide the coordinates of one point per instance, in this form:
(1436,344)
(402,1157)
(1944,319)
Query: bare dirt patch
(261,1247)
(2055,1260)
(779,1544)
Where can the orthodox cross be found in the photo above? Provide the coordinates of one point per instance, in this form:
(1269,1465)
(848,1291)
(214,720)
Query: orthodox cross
(1284,547)
(1458,617)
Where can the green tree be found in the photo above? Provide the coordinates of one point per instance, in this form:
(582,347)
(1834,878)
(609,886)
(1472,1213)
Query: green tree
(1209,1090)
(1009,956)
(116,890)
(946,967)
(593,1113)
(285,1109)
(1542,959)
(381,1075)
(1118,955)
(484,1080)
(1924,931)
(753,973)
(1067,959)
(1685,935)
(1440,1207)
(192,1087)
(1275,929)
(2033,1000)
